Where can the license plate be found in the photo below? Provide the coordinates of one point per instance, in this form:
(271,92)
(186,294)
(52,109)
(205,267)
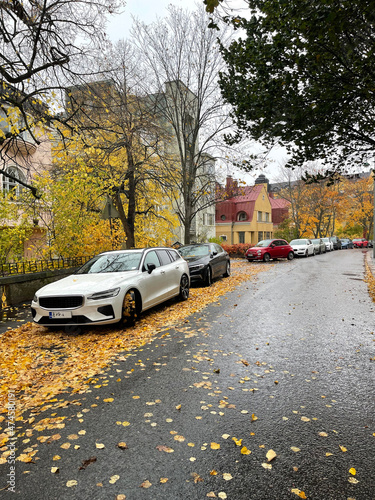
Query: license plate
(59,314)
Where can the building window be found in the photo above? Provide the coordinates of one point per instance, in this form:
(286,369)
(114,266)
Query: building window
(267,235)
(223,237)
(223,217)
(260,216)
(267,216)
(208,219)
(11,184)
(241,236)
(260,235)
(241,216)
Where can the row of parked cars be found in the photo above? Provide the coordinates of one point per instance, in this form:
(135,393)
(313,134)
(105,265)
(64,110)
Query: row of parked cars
(302,247)
(118,286)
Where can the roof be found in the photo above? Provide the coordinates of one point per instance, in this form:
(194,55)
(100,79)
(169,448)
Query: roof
(279,202)
(248,193)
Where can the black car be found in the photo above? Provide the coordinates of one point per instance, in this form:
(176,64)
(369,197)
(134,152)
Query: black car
(206,261)
(336,242)
(346,243)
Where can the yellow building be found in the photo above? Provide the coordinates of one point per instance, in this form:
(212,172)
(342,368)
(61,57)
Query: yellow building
(245,216)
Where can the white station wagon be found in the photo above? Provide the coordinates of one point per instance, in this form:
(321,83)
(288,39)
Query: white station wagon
(113,286)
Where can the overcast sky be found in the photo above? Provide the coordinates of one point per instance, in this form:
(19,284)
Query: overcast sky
(145,10)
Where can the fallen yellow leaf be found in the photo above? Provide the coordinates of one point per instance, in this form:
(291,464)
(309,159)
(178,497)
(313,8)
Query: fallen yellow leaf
(298,492)
(353,480)
(266,466)
(270,455)
(237,441)
(146,484)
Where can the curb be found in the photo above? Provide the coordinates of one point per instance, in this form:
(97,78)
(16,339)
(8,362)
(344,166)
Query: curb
(370,261)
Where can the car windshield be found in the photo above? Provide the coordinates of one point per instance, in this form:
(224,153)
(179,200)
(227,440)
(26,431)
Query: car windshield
(315,240)
(264,243)
(357,239)
(112,263)
(194,251)
(298,242)
(325,239)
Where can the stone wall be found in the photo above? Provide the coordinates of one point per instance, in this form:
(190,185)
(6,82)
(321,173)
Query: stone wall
(22,287)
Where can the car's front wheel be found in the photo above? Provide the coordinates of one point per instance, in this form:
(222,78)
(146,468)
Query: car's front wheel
(290,255)
(184,288)
(208,278)
(129,309)
(227,272)
(266,257)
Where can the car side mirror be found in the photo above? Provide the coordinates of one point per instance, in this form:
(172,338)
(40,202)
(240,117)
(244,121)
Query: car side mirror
(150,268)
(214,253)
(272,245)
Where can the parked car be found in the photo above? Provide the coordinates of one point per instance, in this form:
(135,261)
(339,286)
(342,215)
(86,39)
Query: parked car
(206,261)
(319,245)
(346,243)
(113,286)
(359,243)
(270,249)
(336,242)
(329,244)
(303,247)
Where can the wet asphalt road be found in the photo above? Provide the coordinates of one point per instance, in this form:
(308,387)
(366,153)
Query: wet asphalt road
(281,363)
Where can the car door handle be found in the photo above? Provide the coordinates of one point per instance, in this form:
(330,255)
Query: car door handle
(162,272)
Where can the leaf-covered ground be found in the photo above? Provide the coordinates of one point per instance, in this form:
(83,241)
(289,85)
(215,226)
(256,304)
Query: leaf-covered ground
(38,364)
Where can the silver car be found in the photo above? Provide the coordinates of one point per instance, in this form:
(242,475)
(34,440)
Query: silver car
(328,243)
(319,245)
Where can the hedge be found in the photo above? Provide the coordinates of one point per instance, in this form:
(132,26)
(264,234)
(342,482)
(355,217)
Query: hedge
(237,250)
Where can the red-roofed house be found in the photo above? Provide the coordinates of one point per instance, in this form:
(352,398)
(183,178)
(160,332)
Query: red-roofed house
(250,214)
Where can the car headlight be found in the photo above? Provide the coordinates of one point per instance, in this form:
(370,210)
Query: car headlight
(35,299)
(197,267)
(106,294)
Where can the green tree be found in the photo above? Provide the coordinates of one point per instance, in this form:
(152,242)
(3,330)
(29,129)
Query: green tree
(301,74)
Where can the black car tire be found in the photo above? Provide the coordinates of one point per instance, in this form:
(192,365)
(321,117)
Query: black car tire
(307,253)
(129,309)
(184,288)
(290,255)
(227,272)
(208,278)
(266,257)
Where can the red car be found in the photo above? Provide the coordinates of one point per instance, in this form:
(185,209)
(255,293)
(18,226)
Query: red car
(360,243)
(270,249)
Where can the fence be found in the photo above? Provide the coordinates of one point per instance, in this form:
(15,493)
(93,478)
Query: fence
(36,266)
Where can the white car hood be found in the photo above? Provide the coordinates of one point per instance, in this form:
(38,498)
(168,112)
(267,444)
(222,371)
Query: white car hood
(81,284)
(299,247)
